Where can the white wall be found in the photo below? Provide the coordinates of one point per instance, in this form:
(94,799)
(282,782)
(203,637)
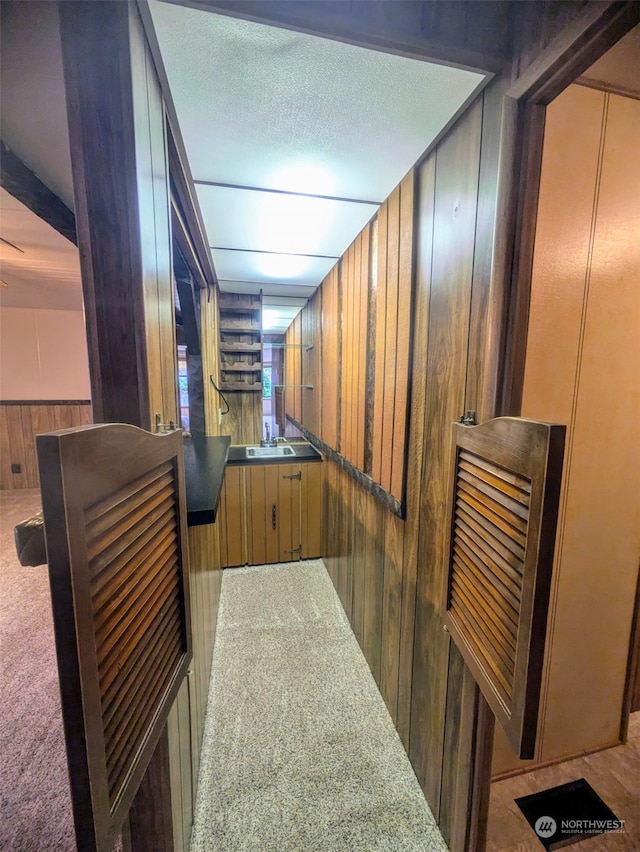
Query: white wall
(43,354)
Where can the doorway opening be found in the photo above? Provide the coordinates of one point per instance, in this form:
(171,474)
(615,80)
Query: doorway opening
(584,319)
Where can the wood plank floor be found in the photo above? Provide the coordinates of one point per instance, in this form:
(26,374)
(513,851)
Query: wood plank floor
(614,774)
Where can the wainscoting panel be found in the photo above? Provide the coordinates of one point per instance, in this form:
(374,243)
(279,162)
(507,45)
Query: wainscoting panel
(20,422)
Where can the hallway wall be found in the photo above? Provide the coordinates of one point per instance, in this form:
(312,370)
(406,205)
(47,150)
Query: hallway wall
(584,324)
(43,365)
(43,354)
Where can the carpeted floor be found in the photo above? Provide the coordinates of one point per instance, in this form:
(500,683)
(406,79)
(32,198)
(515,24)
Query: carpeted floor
(35,803)
(300,752)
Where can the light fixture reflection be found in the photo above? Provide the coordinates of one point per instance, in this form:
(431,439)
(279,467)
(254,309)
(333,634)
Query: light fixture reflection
(279,266)
(288,221)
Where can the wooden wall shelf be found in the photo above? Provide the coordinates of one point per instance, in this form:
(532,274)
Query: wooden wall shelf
(240,346)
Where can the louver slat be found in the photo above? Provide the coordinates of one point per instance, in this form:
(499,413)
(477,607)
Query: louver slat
(504,499)
(115,516)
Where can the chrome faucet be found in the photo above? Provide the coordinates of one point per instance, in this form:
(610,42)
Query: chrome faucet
(267,441)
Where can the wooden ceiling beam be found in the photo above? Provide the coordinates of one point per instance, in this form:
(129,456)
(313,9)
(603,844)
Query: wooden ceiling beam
(25,185)
(467,34)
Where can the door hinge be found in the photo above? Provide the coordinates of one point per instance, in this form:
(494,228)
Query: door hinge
(297,475)
(297,549)
(468,419)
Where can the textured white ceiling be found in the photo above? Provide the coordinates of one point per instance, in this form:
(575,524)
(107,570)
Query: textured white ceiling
(263,106)
(269,108)
(44,270)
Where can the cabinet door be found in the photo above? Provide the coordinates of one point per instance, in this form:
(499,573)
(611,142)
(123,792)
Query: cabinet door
(231,518)
(273,513)
(311,497)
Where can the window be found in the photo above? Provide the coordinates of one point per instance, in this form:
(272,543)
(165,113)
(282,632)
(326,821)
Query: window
(183,387)
(266,382)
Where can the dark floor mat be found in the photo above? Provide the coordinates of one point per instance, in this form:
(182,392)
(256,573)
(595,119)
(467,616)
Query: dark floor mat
(568,813)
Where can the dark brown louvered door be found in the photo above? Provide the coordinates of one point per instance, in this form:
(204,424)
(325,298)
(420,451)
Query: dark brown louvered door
(504,504)
(113,500)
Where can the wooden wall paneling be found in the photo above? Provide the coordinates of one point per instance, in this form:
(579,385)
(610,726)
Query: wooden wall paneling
(425,203)
(490,277)
(318,359)
(403,345)
(353,354)
(288,339)
(374,585)
(361,348)
(465,34)
(370,381)
(330,373)
(346,420)
(205,576)
(345,365)
(175,771)
(297,353)
(92,91)
(210,359)
(380,344)
(461,711)
(186,772)
(556,43)
(312,496)
(593,616)
(306,414)
(359,567)
(456,186)
(6,477)
(19,424)
(330,512)
(392,611)
(230,515)
(346,326)
(262,494)
(346,554)
(29,445)
(311,363)
(17,441)
(116,210)
(340,533)
(388,375)
(243,422)
(356,423)
(565,214)
(156,246)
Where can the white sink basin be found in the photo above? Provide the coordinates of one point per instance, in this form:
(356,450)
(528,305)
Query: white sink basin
(270,452)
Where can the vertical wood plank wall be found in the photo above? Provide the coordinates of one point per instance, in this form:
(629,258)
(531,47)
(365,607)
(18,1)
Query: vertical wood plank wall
(392,337)
(19,425)
(186,722)
(155,231)
(361,311)
(389,572)
(355,290)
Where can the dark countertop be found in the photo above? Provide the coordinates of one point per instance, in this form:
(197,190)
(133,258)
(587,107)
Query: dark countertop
(304,452)
(204,463)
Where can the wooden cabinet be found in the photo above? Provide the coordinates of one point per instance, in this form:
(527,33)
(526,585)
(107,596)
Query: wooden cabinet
(271,513)
(240,329)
